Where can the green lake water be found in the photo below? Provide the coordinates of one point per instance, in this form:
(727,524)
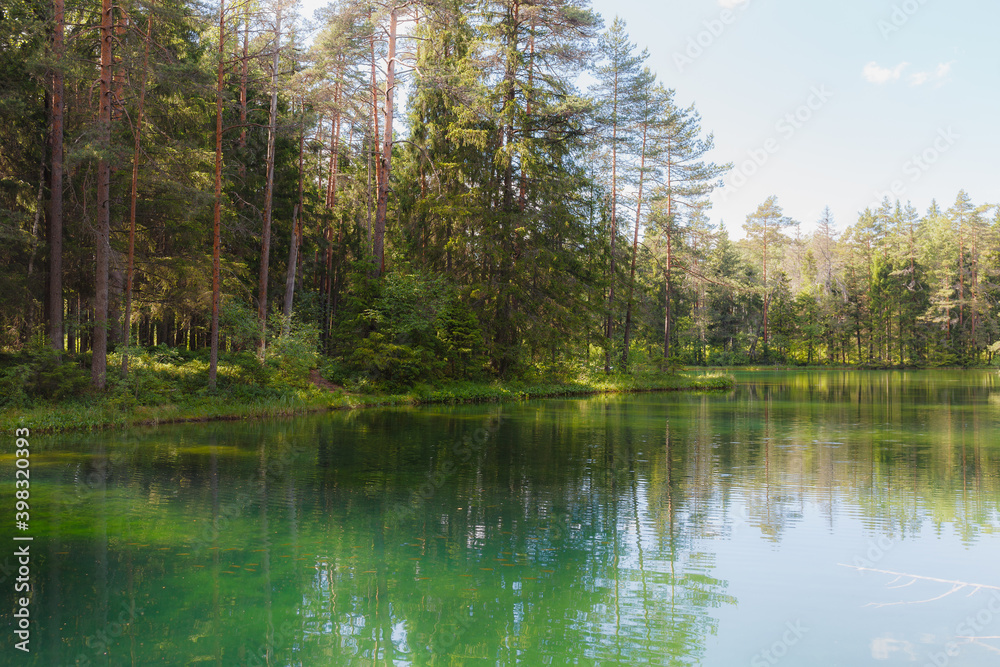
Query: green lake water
(655,529)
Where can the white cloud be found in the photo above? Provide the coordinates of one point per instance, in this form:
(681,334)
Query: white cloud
(875,74)
(938,74)
(732,4)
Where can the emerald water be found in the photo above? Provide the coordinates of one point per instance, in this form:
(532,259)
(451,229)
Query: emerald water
(653,529)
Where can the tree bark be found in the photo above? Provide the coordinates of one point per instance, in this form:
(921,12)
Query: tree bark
(293,249)
(265,238)
(614,229)
(213,363)
(56,185)
(133,195)
(635,249)
(382,203)
(376,160)
(99,363)
(668,288)
(668,282)
(766,292)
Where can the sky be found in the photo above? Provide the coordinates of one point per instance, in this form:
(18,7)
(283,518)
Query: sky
(831,103)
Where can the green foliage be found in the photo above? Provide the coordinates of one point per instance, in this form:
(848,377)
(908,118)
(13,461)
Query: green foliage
(408,328)
(462,338)
(292,351)
(39,374)
(381,365)
(239,323)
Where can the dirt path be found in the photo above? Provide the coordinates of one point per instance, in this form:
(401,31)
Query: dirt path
(321,382)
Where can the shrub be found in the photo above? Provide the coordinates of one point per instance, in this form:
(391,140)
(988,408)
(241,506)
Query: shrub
(39,373)
(404,329)
(239,323)
(292,350)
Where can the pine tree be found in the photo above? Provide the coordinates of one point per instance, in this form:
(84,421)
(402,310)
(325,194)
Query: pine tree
(623,88)
(764,229)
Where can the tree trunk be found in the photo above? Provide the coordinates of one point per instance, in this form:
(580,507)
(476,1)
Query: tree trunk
(522,197)
(133,196)
(766,293)
(213,364)
(293,258)
(56,186)
(382,202)
(614,230)
(244,71)
(74,324)
(293,249)
(99,363)
(635,250)
(265,238)
(668,288)
(376,161)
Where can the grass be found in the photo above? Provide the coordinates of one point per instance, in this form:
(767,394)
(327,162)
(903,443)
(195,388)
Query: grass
(169,390)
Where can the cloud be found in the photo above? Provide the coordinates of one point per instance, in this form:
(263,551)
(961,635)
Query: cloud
(938,74)
(875,74)
(732,4)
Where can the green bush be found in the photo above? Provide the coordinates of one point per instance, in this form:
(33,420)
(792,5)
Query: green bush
(292,351)
(405,329)
(39,374)
(386,366)
(239,323)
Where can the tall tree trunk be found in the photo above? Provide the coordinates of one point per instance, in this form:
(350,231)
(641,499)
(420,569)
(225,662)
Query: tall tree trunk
(766,292)
(522,197)
(293,258)
(635,249)
(265,237)
(56,186)
(375,160)
(335,144)
(99,363)
(382,202)
(293,250)
(668,282)
(74,323)
(244,72)
(213,363)
(668,288)
(133,195)
(614,229)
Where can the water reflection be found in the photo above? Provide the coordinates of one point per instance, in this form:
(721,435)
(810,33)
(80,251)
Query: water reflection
(657,529)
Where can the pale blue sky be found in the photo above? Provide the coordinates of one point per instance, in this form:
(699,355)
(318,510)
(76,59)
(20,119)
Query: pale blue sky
(771,57)
(903,78)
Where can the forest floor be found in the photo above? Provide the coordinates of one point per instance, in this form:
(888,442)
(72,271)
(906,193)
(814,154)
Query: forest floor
(152,405)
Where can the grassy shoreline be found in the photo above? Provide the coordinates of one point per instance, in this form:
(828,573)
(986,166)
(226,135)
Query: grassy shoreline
(106,413)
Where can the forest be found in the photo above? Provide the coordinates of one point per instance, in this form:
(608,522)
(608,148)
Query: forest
(404,191)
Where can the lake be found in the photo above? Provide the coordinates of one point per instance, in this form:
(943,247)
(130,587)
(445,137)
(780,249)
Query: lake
(805,518)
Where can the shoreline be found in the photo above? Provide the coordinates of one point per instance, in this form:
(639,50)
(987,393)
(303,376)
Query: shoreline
(105,414)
